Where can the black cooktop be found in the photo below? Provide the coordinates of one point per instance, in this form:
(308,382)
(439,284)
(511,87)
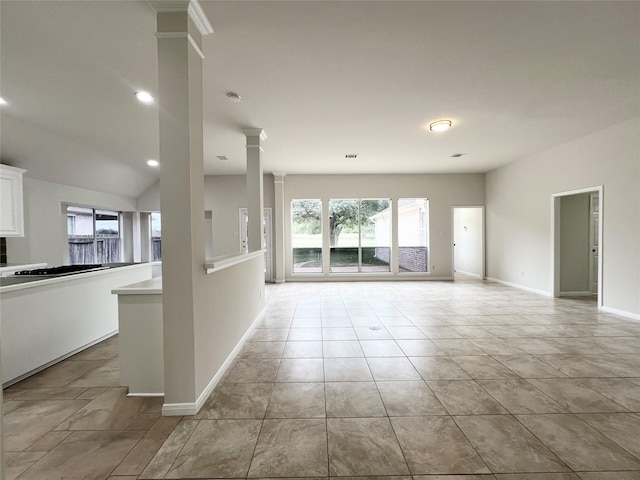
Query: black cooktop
(61,270)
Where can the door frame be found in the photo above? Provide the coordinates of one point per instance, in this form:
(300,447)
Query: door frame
(482,239)
(267,234)
(555,238)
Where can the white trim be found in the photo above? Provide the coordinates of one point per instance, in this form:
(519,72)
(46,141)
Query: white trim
(179,409)
(255,132)
(192,7)
(520,287)
(576,294)
(139,394)
(474,275)
(220,263)
(622,313)
(359,277)
(169,6)
(199,18)
(196,47)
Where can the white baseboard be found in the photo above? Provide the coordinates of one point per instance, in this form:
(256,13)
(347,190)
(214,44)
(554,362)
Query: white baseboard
(180,409)
(59,359)
(576,294)
(622,313)
(359,277)
(464,272)
(520,287)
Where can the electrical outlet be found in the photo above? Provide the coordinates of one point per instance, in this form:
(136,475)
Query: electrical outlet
(522,273)
(433,268)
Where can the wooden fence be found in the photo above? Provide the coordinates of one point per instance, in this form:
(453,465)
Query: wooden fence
(81,250)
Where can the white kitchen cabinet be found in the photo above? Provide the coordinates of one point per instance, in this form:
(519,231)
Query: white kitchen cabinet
(11,209)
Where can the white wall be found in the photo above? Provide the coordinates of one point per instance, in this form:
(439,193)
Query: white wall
(443,192)
(224,195)
(518,219)
(45,223)
(467,236)
(574,243)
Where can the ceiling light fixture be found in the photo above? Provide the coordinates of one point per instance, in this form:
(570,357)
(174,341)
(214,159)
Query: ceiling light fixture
(2,101)
(440,125)
(153,163)
(144,97)
(234,97)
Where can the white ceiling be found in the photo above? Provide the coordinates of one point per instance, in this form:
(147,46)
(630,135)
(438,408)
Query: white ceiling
(324,79)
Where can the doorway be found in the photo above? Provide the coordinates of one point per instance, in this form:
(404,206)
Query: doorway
(468,242)
(243,219)
(577,239)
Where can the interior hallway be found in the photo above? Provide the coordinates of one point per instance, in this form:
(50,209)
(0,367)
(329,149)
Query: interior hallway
(362,379)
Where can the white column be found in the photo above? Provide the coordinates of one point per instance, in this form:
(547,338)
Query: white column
(181,187)
(279,214)
(255,196)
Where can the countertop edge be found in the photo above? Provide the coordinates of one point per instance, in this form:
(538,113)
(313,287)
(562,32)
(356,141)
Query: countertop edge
(78,276)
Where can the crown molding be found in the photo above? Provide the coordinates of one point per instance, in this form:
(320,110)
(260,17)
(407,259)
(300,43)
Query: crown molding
(255,132)
(192,7)
(199,18)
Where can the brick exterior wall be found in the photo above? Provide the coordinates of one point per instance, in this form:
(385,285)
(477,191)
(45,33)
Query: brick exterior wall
(411,259)
(383,254)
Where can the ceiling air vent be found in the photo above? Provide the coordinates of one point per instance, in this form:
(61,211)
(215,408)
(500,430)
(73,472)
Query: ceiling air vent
(222,157)
(351,155)
(456,155)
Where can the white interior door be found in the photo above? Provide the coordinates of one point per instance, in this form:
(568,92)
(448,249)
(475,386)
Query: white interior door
(468,241)
(593,236)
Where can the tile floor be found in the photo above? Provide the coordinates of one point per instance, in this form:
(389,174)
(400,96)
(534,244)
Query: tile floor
(431,380)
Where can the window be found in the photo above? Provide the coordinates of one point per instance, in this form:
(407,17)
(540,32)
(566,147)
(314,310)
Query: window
(375,235)
(306,236)
(93,235)
(413,234)
(156,235)
(360,235)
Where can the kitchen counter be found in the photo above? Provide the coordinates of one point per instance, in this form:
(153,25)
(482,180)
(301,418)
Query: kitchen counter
(141,337)
(12,283)
(45,320)
(10,268)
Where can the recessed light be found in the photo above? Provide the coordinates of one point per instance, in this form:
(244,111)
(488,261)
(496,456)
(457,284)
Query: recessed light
(153,163)
(144,97)
(2,101)
(440,125)
(234,97)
